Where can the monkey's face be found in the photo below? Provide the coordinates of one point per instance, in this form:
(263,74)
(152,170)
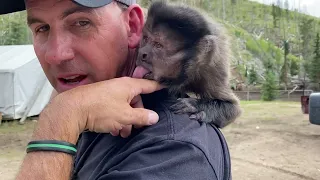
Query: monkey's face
(160,54)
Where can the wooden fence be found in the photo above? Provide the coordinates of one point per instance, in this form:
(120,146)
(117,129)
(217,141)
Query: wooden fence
(283,95)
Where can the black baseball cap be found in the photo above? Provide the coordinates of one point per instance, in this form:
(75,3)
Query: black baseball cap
(10,6)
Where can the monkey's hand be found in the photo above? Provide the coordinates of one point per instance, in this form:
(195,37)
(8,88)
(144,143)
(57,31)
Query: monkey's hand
(189,106)
(215,111)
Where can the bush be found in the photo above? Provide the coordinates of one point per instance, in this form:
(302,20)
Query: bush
(269,87)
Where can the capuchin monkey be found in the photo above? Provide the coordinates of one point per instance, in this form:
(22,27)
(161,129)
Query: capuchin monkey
(187,53)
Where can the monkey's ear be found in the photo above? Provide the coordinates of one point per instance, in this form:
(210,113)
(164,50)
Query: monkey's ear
(135,25)
(208,44)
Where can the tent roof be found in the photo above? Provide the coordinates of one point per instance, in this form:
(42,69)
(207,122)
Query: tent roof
(15,56)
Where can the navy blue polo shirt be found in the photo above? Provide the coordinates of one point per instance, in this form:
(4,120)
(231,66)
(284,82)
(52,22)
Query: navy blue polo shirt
(176,148)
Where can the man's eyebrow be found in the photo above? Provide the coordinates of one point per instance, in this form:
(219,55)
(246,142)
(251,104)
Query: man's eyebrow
(31,19)
(76,10)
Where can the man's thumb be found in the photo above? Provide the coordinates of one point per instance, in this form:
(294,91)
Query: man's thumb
(144,117)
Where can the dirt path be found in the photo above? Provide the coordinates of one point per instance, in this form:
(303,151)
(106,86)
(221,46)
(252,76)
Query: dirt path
(271,141)
(13,140)
(284,147)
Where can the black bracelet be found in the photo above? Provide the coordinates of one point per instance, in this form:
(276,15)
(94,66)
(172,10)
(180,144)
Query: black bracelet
(52,145)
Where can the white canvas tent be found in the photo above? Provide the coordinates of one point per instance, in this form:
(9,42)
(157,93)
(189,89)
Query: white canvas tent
(24,88)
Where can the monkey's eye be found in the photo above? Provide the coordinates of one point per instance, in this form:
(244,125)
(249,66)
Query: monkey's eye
(157,45)
(145,39)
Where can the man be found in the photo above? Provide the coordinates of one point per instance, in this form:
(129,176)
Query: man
(84,47)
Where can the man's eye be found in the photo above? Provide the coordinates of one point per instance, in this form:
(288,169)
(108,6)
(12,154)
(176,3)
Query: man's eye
(42,29)
(82,23)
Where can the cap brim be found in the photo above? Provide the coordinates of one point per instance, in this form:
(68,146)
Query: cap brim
(93,3)
(10,6)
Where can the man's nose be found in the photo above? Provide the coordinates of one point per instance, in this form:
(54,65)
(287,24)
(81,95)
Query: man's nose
(59,48)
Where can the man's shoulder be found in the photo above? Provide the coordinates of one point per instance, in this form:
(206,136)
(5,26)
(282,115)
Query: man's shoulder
(176,147)
(179,128)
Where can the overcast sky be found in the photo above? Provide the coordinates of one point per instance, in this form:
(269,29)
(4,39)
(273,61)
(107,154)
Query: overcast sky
(311,7)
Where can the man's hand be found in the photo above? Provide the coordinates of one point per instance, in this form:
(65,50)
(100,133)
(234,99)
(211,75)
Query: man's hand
(117,105)
(111,106)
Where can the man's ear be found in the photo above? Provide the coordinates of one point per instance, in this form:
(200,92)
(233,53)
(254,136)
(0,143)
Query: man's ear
(135,25)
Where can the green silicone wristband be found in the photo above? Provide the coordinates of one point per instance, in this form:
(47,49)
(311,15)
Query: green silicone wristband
(52,145)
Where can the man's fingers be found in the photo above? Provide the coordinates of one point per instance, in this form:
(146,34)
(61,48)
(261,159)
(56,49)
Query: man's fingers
(126,131)
(114,133)
(136,102)
(137,126)
(144,86)
(142,117)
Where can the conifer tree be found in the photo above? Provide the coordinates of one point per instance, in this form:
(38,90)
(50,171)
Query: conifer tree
(285,67)
(274,16)
(269,87)
(315,63)
(253,77)
(305,29)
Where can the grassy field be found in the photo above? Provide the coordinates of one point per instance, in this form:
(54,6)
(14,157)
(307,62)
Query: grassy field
(271,140)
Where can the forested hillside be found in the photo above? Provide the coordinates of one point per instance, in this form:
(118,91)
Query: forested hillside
(270,44)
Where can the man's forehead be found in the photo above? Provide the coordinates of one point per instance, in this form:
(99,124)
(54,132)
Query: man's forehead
(42,3)
(58,9)
(10,6)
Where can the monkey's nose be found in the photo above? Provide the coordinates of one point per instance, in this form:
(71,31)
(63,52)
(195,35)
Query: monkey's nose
(144,57)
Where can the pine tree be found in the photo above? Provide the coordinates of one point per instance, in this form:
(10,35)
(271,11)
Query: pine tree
(274,15)
(305,29)
(285,67)
(278,7)
(286,6)
(253,77)
(315,63)
(269,87)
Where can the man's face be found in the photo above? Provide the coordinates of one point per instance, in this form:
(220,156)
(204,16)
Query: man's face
(77,45)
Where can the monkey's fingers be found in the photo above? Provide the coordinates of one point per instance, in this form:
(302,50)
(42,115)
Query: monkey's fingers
(185,106)
(200,116)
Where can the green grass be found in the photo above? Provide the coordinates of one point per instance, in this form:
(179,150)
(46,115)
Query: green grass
(270,111)
(14,126)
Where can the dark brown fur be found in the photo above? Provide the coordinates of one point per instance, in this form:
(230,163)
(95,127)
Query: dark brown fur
(188,53)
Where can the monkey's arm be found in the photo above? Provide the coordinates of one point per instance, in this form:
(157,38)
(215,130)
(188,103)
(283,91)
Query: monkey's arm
(218,112)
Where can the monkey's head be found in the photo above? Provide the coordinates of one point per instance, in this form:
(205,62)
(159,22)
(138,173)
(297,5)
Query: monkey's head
(169,42)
